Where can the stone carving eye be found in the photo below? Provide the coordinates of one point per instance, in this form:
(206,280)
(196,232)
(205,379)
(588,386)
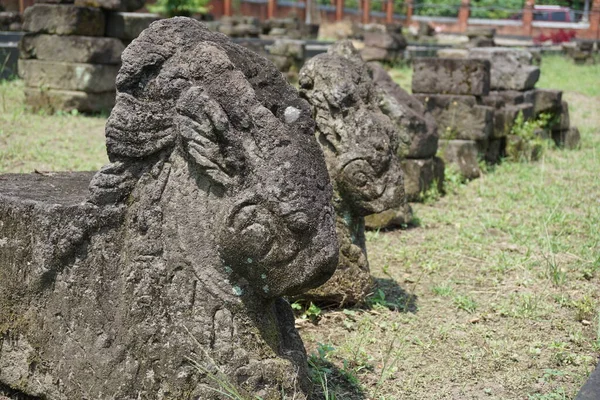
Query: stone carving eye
(298,222)
(253,225)
(358,174)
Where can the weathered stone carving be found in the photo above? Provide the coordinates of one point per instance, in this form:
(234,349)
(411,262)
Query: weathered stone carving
(215,204)
(360,145)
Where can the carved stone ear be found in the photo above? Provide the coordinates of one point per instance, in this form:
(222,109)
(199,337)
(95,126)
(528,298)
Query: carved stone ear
(201,124)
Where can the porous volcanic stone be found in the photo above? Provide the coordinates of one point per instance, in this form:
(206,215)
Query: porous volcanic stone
(504,118)
(451,76)
(421,175)
(501,98)
(568,138)
(462,155)
(112,5)
(389,219)
(127,25)
(417,129)
(52,100)
(64,20)
(459,117)
(547,101)
(511,68)
(168,268)
(74,49)
(92,78)
(360,145)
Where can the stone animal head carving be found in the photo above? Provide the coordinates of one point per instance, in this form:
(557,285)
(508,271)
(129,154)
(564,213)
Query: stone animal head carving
(229,143)
(358,140)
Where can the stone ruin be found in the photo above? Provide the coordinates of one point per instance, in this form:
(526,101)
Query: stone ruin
(382,43)
(582,51)
(476,96)
(360,144)
(10,21)
(480,36)
(168,274)
(70,56)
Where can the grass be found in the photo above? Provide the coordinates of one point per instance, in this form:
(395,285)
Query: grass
(493,296)
(35,141)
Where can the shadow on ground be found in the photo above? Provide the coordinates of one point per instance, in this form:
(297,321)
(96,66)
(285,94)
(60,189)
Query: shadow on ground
(332,382)
(388,293)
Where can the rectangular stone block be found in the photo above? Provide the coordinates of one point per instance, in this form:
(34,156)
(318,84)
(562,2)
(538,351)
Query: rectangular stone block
(462,155)
(112,5)
(65,100)
(74,49)
(459,117)
(127,25)
(564,122)
(64,20)
(451,76)
(420,175)
(504,118)
(453,53)
(547,101)
(567,138)
(499,99)
(493,150)
(92,78)
(511,68)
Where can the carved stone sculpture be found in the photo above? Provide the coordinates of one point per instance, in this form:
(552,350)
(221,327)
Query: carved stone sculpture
(168,277)
(360,145)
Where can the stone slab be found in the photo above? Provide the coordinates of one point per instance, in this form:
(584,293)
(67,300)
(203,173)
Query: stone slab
(74,49)
(451,76)
(379,54)
(569,138)
(459,117)
(64,20)
(462,155)
(389,219)
(453,53)
(127,25)
(564,122)
(511,68)
(112,5)
(384,40)
(92,78)
(500,98)
(504,118)
(67,100)
(547,101)
(420,175)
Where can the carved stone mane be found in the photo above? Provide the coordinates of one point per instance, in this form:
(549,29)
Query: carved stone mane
(216,203)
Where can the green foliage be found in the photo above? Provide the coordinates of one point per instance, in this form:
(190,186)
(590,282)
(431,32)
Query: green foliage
(495,9)
(531,144)
(312,312)
(438,8)
(466,303)
(185,8)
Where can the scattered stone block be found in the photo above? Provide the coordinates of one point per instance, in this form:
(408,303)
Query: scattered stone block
(52,100)
(459,117)
(451,76)
(9,20)
(564,122)
(453,53)
(502,98)
(112,5)
(64,20)
(390,219)
(511,69)
(123,275)
(73,49)
(360,146)
(569,138)
(547,101)
(462,155)
(417,129)
(91,78)
(493,150)
(504,118)
(127,25)
(421,175)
